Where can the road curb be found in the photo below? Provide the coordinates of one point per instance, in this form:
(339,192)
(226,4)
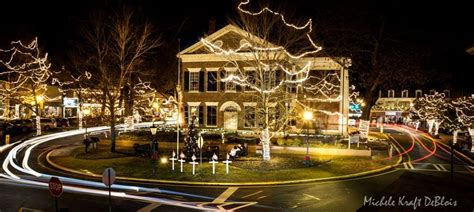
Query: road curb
(138,180)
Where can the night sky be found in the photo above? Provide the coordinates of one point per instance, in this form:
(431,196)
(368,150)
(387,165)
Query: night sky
(446,27)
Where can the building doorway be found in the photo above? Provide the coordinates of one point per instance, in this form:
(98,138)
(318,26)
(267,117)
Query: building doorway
(231,119)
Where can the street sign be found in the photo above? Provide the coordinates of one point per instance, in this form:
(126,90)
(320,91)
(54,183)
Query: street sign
(108,177)
(55,187)
(128,121)
(455,136)
(364,128)
(200,142)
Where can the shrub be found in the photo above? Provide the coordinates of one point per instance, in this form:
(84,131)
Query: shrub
(147,136)
(281,141)
(289,142)
(297,142)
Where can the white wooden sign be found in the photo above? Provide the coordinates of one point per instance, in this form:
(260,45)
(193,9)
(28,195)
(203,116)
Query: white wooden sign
(128,121)
(364,128)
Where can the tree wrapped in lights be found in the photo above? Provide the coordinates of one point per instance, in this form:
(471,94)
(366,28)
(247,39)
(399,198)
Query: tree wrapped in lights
(74,80)
(432,109)
(144,97)
(461,115)
(26,76)
(269,62)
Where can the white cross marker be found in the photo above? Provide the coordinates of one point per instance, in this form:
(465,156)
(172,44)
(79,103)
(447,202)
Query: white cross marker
(181,161)
(193,163)
(173,158)
(227,161)
(214,161)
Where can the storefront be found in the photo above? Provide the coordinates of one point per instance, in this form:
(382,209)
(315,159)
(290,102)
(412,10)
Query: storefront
(70,107)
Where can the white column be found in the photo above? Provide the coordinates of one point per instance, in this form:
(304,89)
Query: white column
(344,103)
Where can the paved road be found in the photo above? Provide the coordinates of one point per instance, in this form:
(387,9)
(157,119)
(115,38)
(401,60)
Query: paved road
(420,156)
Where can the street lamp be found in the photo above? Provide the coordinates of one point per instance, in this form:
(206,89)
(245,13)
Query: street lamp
(308,116)
(153,132)
(154,146)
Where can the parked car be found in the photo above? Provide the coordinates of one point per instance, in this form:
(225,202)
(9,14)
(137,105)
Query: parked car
(62,122)
(4,126)
(19,126)
(464,142)
(46,123)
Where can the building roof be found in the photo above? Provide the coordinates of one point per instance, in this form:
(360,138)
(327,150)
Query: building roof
(221,32)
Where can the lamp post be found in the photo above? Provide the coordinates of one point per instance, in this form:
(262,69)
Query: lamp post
(308,116)
(153,146)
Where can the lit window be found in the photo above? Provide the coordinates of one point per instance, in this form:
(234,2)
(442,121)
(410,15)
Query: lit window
(212,81)
(391,93)
(269,79)
(229,86)
(252,79)
(418,93)
(250,116)
(404,93)
(291,87)
(194,81)
(211,119)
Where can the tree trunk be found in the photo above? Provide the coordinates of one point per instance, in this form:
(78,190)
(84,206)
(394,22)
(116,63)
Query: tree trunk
(430,126)
(436,124)
(112,128)
(37,111)
(366,112)
(265,138)
(369,102)
(265,134)
(127,100)
(103,106)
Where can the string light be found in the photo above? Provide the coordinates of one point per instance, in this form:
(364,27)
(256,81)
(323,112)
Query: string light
(269,61)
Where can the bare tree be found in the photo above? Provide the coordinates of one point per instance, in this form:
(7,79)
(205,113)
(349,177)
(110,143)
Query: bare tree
(26,76)
(118,44)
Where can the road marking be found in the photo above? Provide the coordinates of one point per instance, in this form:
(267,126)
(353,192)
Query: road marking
(261,197)
(405,165)
(470,168)
(436,166)
(149,207)
(258,192)
(311,196)
(27,210)
(220,206)
(442,167)
(226,194)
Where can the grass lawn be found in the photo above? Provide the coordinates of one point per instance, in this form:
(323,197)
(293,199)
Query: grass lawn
(247,169)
